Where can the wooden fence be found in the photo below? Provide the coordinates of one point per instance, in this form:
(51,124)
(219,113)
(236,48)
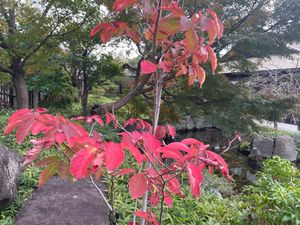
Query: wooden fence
(8,98)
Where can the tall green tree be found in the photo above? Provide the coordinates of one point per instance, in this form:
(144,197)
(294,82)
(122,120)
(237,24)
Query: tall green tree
(28,30)
(86,67)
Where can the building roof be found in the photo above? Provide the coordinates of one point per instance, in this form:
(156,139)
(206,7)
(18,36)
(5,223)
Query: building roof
(273,62)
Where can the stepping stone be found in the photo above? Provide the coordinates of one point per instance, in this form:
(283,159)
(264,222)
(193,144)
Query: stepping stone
(61,202)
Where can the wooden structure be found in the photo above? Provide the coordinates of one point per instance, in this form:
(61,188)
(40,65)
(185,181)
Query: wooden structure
(8,97)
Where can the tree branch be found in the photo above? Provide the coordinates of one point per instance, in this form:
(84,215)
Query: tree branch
(50,35)
(100,109)
(5,69)
(249,14)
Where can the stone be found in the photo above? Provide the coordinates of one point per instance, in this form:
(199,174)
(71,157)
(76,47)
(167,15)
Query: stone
(285,147)
(297,140)
(10,169)
(200,123)
(189,123)
(262,147)
(251,177)
(186,123)
(181,125)
(60,202)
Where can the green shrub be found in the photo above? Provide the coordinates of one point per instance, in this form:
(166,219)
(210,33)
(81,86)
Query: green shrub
(275,199)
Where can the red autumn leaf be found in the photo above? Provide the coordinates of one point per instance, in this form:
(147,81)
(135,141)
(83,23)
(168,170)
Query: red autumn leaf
(168,200)
(109,117)
(38,127)
(166,66)
(114,156)
(41,110)
(98,119)
(120,5)
(154,199)
(81,161)
(137,185)
(160,132)
(195,177)
(130,122)
(108,33)
(211,28)
(191,40)
(172,155)
(141,214)
(213,58)
(99,28)
(151,145)
(148,216)
(123,172)
(173,185)
(178,146)
(222,164)
(135,152)
(148,67)
(70,129)
(60,137)
(192,76)
(200,74)
(24,120)
(171,130)
(24,129)
(32,154)
(191,141)
(132,223)
(17,116)
(219,24)
(174,8)
(143,125)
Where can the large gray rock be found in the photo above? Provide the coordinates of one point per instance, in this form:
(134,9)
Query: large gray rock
(285,147)
(201,123)
(61,202)
(10,169)
(189,123)
(262,147)
(181,125)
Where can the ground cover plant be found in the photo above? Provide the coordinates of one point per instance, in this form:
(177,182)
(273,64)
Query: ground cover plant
(179,43)
(274,199)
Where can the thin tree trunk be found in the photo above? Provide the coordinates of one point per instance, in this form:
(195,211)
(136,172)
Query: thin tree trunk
(84,101)
(21,90)
(35,101)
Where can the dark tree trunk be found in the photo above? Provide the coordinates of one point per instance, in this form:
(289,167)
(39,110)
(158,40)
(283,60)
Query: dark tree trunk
(20,86)
(84,100)
(35,100)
